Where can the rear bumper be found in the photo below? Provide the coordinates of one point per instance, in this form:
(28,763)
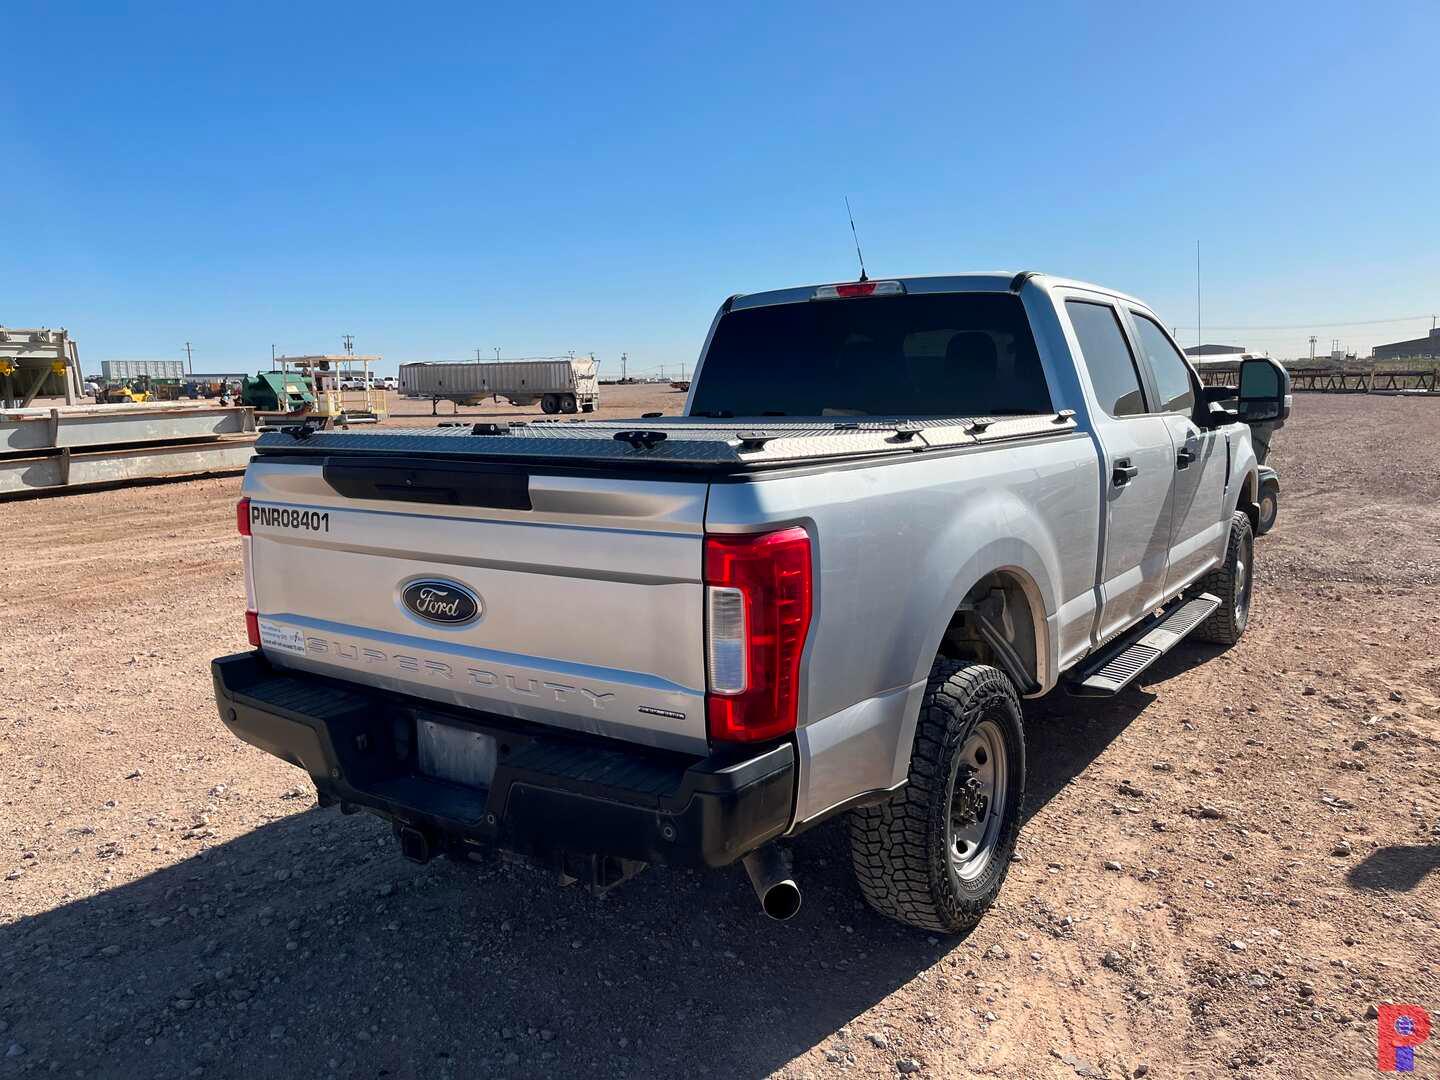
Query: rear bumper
(553,793)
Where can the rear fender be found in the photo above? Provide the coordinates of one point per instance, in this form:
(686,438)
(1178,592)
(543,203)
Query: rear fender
(1024,562)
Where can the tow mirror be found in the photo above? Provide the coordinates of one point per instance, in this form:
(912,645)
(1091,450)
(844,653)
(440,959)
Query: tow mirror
(1264,390)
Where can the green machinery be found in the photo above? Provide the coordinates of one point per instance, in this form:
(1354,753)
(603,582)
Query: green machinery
(278,392)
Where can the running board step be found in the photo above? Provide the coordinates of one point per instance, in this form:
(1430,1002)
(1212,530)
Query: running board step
(1122,661)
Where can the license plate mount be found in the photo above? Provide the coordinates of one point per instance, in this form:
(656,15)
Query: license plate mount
(456,754)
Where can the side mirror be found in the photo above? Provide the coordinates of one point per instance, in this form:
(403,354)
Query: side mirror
(1264,390)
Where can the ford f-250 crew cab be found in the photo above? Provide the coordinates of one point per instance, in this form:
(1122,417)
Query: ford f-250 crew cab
(891,510)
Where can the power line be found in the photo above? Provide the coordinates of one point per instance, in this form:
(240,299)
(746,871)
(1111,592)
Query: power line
(1315,325)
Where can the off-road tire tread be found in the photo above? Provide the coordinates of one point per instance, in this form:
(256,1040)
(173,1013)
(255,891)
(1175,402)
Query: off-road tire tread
(897,848)
(1263,527)
(1221,627)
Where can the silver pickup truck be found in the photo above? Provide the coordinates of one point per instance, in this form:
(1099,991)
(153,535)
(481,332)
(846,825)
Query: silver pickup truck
(891,510)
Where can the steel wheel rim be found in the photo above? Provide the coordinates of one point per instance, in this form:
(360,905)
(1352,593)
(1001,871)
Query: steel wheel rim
(1267,508)
(1243,571)
(977,801)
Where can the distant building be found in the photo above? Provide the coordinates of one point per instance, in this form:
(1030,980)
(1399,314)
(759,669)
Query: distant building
(1428,346)
(1216,350)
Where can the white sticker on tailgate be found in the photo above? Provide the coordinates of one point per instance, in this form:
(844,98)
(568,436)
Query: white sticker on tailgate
(289,639)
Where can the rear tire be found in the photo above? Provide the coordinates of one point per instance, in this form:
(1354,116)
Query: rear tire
(927,857)
(1269,509)
(549,404)
(567,403)
(1232,582)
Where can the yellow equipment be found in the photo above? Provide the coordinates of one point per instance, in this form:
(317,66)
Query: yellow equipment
(111,395)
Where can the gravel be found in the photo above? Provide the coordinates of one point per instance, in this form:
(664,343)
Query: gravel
(212,878)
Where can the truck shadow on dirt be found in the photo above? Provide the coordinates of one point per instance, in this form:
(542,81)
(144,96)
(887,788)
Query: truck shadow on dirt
(1399,868)
(308,947)
(1065,734)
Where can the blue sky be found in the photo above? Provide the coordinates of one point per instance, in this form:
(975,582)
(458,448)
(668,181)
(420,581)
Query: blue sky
(436,179)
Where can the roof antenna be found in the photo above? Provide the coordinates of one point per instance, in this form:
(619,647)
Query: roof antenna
(853,233)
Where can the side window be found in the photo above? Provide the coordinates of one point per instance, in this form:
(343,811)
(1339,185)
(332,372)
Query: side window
(1172,376)
(1107,357)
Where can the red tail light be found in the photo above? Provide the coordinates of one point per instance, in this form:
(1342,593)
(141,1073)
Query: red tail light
(252,619)
(758,593)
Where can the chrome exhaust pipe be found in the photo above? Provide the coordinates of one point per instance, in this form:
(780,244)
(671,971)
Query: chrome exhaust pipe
(776,890)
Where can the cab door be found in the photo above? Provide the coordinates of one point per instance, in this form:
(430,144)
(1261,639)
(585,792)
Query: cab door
(1138,471)
(1202,458)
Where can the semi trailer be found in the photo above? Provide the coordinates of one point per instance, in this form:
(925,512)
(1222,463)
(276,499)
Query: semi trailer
(560,384)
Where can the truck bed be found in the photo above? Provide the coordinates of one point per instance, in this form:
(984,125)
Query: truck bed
(671,442)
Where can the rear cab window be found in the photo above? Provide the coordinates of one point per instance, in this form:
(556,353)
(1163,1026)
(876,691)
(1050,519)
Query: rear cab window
(1107,357)
(928,354)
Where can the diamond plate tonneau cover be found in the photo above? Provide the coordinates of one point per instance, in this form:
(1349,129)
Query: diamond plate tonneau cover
(687,442)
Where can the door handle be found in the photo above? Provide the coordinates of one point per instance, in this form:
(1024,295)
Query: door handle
(1123,472)
(1188,453)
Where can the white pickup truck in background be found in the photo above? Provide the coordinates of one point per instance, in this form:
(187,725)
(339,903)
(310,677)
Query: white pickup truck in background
(892,510)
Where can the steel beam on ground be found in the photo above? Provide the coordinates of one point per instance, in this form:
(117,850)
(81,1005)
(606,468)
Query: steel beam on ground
(65,469)
(27,431)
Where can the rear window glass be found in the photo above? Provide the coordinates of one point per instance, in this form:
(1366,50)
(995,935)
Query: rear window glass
(944,354)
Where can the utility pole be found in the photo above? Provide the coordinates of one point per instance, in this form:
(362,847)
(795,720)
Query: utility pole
(189,360)
(1199,340)
(477,352)
(1312,349)
(624,358)
(349,345)
(272,354)
(497,353)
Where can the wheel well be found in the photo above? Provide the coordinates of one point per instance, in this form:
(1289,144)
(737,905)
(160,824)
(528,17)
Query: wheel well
(1250,500)
(1000,623)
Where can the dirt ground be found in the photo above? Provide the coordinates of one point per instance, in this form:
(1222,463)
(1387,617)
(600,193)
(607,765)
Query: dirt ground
(172,903)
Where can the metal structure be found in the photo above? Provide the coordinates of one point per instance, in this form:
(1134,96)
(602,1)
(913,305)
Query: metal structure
(38,363)
(1405,382)
(345,388)
(1329,380)
(83,445)
(559,383)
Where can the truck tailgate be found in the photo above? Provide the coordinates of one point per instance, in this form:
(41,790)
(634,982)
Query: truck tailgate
(583,612)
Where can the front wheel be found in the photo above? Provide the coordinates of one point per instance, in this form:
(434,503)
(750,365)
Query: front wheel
(1232,581)
(1269,508)
(935,855)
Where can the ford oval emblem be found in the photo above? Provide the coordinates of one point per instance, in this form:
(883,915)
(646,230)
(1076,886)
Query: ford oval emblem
(442,602)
